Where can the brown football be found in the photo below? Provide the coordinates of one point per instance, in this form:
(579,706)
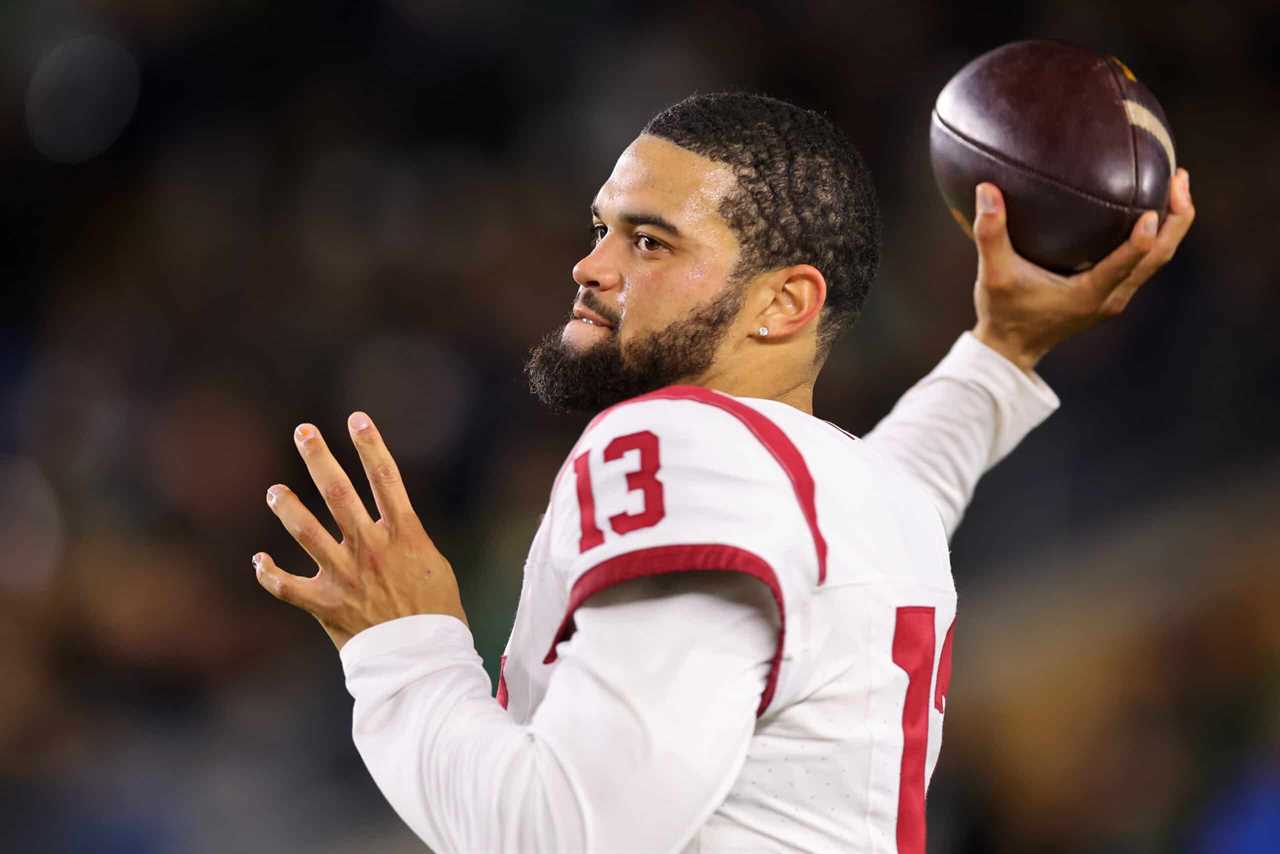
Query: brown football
(1077,145)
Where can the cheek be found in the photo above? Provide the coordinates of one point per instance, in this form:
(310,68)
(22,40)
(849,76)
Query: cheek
(646,305)
(652,302)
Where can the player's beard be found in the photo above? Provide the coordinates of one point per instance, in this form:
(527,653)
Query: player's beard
(570,380)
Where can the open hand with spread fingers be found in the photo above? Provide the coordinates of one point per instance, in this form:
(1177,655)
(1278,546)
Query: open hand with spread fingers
(382,569)
(1025,310)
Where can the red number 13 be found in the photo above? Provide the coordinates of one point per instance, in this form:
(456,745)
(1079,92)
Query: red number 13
(643,480)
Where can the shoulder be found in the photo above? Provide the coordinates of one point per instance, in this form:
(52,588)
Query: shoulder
(686,480)
(701,441)
(703,430)
(685,467)
(684,411)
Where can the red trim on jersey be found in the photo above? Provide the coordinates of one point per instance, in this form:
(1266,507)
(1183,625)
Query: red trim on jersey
(663,560)
(913,638)
(769,434)
(944,672)
(502,682)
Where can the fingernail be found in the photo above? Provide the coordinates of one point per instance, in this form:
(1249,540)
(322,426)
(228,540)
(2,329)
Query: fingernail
(986,200)
(272,494)
(1149,222)
(358,421)
(304,433)
(257,561)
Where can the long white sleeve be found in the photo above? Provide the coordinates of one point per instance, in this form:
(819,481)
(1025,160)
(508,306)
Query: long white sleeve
(643,730)
(965,416)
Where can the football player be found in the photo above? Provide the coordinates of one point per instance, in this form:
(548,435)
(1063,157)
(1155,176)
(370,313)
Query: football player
(736,622)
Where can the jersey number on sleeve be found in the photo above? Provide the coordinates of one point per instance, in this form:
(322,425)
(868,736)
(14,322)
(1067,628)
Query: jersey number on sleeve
(643,480)
(913,645)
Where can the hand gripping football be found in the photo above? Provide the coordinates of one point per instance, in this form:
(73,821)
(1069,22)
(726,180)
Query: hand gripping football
(1077,145)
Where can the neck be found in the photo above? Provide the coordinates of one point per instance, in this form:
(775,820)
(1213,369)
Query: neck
(791,392)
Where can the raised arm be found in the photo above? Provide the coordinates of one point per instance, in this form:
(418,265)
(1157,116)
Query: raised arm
(985,396)
(965,416)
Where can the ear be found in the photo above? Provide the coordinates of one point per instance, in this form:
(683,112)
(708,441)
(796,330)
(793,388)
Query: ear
(792,298)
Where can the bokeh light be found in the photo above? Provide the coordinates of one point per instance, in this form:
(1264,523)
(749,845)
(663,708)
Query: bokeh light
(81,97)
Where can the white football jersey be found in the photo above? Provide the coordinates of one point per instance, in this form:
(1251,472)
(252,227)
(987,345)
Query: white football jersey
(855,555)
(788,695)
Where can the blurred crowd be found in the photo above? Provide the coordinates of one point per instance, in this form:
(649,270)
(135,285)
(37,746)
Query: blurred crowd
(219,219)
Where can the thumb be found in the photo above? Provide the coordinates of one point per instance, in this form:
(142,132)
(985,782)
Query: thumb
(990,231)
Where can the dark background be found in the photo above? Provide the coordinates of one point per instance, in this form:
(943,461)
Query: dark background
(219,218)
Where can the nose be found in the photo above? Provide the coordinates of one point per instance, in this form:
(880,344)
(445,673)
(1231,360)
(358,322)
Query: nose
(596,270)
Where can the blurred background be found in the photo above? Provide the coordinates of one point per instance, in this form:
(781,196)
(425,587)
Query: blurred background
(218,219)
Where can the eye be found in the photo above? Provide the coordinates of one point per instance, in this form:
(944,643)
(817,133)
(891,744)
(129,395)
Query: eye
(597,234)
(645,243)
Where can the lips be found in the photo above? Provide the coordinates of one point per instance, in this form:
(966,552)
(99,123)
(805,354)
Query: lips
(586,315)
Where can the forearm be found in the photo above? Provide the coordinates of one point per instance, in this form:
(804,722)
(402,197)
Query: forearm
(451,762)
(960,420)
(465,776)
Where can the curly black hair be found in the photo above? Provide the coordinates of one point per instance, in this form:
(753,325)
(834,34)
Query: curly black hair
(803,195)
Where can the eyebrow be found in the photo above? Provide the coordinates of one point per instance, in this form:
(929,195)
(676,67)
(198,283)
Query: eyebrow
(639,218)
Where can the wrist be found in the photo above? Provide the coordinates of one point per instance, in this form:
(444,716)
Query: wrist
(1009,346)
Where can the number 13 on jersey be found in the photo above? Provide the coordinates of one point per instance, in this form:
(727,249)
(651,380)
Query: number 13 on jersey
(643,480)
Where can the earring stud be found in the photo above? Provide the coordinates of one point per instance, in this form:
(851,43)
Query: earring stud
(763,331)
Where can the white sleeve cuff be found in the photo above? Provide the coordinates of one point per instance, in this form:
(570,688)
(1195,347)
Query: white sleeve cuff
(434,633)
(970,359)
